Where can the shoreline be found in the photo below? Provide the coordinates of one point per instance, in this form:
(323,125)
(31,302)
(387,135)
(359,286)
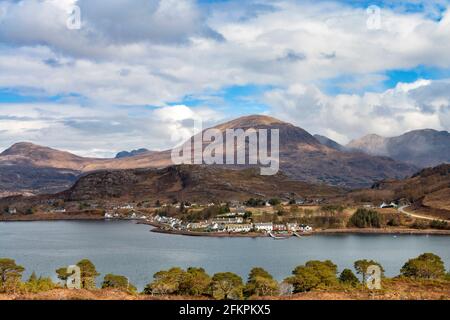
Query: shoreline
(158,228)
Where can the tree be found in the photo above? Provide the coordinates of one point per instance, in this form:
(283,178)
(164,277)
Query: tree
(10,274)
(348,277)
(260,283)
(227,285)
(117,282)
(195,282)
(313,274)
(165,282)
(364,218)
(425,266)
(88,273)
(62,274)
(361,267)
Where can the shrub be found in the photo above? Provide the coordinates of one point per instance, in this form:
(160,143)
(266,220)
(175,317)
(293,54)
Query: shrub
(425,266)
(36,285)
(274,201)
(439,224)
(394,221)
(252,202)
(118,282)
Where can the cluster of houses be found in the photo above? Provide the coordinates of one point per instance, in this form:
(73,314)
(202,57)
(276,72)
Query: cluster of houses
(230,224)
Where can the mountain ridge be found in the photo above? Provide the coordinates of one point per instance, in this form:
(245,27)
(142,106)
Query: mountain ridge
(302,157)
(422,148)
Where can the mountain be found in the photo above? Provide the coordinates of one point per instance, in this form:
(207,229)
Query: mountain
(302,157)
(29,154)
(428,190)
(132,153)
(329,142)
(194,183)
(422,148)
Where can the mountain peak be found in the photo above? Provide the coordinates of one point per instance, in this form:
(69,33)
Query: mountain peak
(21,148)
(132,153)
(251,121)
(372,143)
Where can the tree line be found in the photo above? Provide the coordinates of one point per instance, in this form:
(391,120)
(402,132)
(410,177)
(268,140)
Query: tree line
(313,275)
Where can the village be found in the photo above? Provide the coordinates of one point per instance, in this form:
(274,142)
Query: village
(236,221)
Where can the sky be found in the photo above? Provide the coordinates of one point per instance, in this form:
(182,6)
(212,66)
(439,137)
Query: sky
(133,72)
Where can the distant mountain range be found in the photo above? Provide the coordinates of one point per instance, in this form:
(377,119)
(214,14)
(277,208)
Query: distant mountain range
(422,148)
(329,143)
(132,153)
(26,167)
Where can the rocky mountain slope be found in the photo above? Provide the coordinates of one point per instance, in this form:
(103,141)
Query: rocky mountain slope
(428,191)
(194,183)
(329,142)
(423,148)
(302,157)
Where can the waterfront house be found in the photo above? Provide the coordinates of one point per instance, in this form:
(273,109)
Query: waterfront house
(305,228)
(263,226)
(108,215)
(12,211)
(198,225)
(58,211)
(238,227)
(292,227)
(228,220)
(280,227)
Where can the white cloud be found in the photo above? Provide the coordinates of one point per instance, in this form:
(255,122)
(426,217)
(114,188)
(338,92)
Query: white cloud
(149,52)
(95,131)
(418,105)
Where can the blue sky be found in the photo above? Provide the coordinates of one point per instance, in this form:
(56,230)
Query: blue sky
(317,64)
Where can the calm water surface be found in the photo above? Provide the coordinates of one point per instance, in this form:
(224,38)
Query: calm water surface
(123,247)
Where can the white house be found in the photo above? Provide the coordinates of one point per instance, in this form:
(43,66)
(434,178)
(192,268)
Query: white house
(292,226)
(263,226)
(386,205)
(197,225)
(228,220)
(108,215)
(280,227)
(238,227)
(305,228)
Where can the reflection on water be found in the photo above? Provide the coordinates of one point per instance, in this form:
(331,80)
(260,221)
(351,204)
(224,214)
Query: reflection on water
(126,248)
